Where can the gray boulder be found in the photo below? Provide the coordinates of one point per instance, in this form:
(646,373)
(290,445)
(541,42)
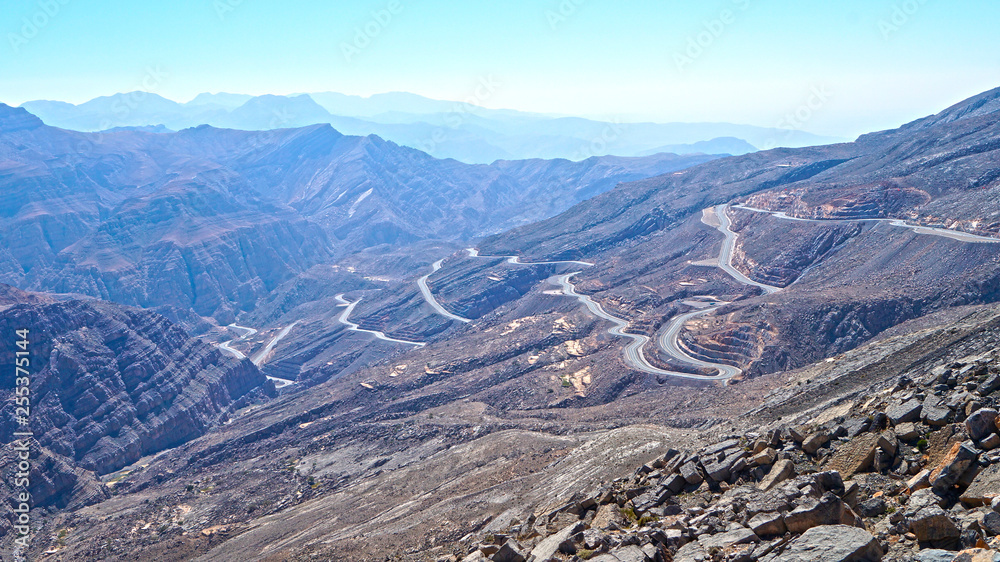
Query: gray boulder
(906,412)
(630,554)
(509,552)
(833,543)
(827,510)
(981,424)
(933,524)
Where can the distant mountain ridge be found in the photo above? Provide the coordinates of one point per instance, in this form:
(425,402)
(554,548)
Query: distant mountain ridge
(443,129)
(211,220)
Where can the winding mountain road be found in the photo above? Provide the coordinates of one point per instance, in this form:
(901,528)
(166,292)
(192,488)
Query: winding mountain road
(429,296)
(247,332)
(729,247)
(516,260)
(634,354)
(260,356)
(343,319)
(943,232)
(668,338)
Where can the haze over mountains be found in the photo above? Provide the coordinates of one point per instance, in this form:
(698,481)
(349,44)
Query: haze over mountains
(443,129)
(213,219)
(453,342)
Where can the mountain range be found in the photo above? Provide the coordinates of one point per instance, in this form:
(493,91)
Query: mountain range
(213,219)
(776,356)
(458,130)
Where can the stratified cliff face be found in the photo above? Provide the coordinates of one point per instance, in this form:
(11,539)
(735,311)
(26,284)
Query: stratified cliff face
(110,384)
(54,482)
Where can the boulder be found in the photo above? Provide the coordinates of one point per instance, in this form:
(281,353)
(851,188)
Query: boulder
(990,385)
(830,481)
(990,442)
(833,543)
(923,498)
(933,524)
(721,470)
(977,555)
(888,442)
(729,538)
(814,442)
(990,523)
(594,539)
(935,412)
(851,493)
(630,553)
(953,465)
(671,538)
(653,498)
(919,481)
(691,475)
(985,488)
(509,552)
(934,555)
(768,524)
(855,456)
(765,457)
(552,544)
(780,471)
(828,510)
(691,552)
(797,434)
(982,424)
(872,508)
(908,411)
(907,432)
(675,483)
(857,426)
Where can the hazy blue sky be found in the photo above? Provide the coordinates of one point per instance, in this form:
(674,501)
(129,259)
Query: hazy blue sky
(877,63)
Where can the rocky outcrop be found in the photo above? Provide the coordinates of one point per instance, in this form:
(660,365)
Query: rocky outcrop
(833,543)
(111,384)
(54,482)
(875,484)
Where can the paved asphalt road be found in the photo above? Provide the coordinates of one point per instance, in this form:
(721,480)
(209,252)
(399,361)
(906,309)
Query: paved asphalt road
(343,319)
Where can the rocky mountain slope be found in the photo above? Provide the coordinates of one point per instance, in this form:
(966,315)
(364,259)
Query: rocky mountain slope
(112,384)
(511,424)
(445,475)
(213,220)
(911,472)
(847,278)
